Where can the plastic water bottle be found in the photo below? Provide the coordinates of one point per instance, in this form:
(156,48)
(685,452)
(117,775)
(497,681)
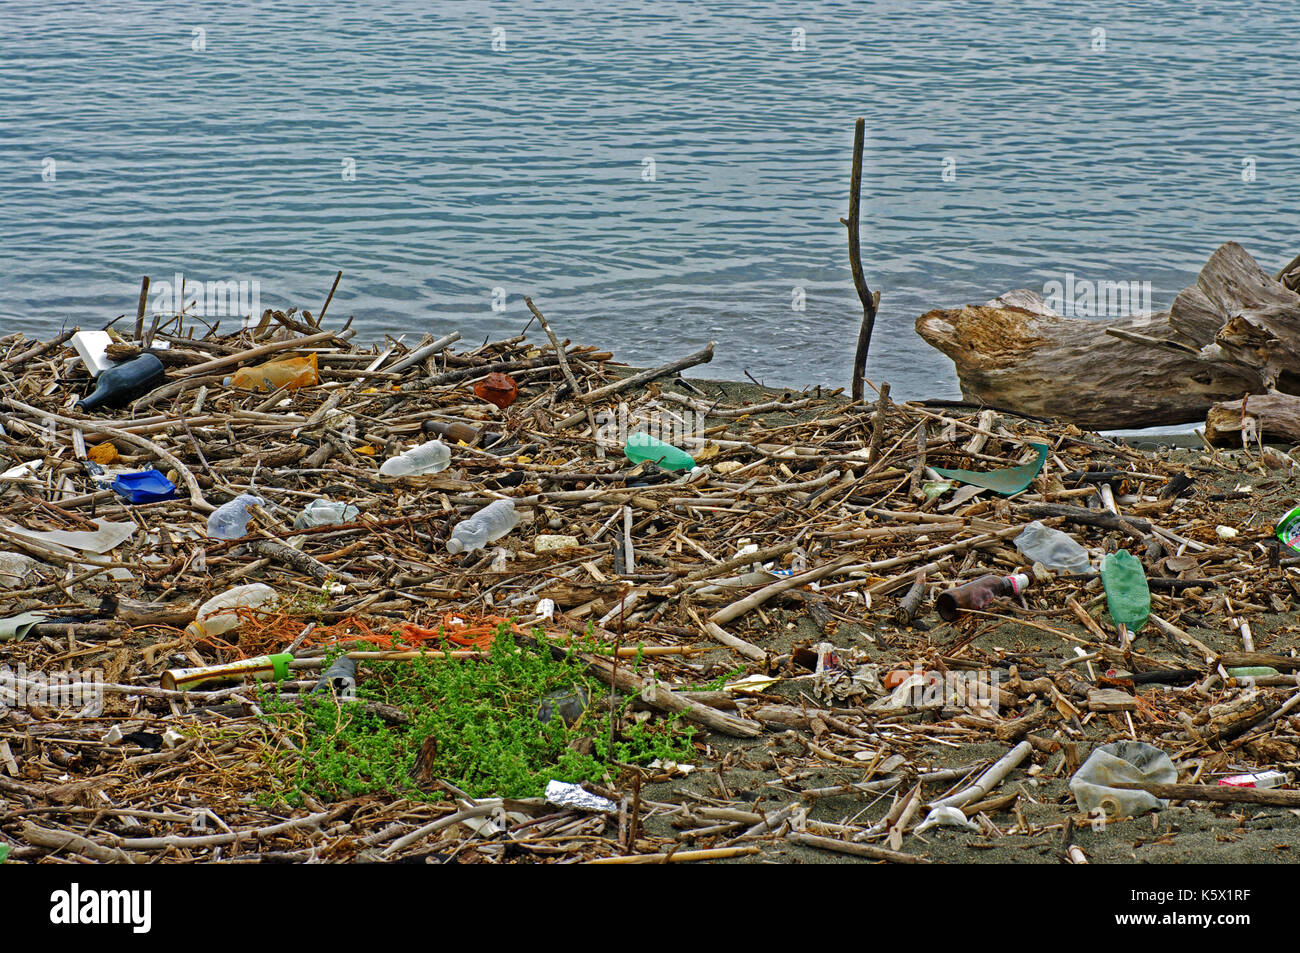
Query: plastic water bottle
(641,446)
(1052,548)
(427,458)
(218,614)
(488,524)
(325,513)
(230,520)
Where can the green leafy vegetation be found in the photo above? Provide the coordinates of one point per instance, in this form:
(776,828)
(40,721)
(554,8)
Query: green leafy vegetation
(473,722)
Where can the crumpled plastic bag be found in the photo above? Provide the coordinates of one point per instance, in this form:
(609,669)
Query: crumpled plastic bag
(946,817)
(1131,762)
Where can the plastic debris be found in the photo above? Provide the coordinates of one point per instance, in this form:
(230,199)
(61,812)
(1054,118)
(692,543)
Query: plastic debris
(1130,762)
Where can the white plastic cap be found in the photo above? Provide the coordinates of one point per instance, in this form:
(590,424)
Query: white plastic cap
(1019,582)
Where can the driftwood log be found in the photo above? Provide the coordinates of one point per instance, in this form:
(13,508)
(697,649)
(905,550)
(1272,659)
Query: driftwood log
(1235,333)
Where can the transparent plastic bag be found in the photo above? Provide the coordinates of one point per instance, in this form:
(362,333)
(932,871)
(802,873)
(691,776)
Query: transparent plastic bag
(1128,762)
(1052,548)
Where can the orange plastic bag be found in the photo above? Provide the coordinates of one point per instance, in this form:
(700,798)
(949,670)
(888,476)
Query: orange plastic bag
(293,372)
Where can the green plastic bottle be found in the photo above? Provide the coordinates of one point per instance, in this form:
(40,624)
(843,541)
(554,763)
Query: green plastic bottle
(642,446)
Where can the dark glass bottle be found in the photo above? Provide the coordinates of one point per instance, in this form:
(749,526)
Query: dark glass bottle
(978,593)
(457,432)
(122,384)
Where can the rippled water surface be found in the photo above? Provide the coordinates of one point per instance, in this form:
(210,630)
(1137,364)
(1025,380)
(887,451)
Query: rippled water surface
(654,175)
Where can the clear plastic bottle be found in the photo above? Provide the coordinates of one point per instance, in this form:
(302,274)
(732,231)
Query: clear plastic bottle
(218,614)
(488,524)
(230,520)
(1052,548)
(427,458)
(325,513)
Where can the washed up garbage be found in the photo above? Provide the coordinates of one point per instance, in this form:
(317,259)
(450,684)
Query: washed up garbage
(92,348)
(15,627)
(1252,671)
(109,535)
(14,568)
(1008,482)
(1264,779)
(978,593)
(1052,548)
(431,457)
(487,525)
(260,667)
(564,794)
(105,454)
(230,520)
(118,386)
(1123,762)
(1288,529)
(219,614)
(546,543)
(946,817)
(325,513)
(458,432)
(569,705)
(340,677)
(497,388)
(146,486)
(642,447)
(23,471)
(291,372)
(1127,595)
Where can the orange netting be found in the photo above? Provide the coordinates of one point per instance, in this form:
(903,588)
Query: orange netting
(260,633)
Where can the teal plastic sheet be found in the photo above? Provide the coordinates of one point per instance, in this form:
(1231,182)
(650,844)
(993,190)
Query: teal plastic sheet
(17,626)
(1007,482)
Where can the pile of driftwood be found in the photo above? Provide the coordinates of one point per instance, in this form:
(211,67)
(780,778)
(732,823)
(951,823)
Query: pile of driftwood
(1226,352)
(797,563)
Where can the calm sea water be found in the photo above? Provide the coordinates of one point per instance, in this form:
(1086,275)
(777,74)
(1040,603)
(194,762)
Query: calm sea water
(654,175)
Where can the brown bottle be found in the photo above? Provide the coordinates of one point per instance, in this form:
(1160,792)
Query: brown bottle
(457,432)
(978,593)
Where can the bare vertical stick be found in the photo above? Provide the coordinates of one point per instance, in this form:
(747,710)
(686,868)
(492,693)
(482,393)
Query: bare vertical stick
(139,309)
(628,554)
(878,425)
(869,301)
(325,307)
(564,366)
(918,468)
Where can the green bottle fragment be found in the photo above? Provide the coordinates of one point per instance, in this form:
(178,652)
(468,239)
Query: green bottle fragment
(1252,671)
(1288,529)
(1127,595)
(642,446)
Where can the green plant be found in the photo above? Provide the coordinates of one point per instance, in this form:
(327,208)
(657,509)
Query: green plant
(473,722)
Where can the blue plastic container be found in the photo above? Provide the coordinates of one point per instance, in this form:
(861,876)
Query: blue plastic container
(147,486)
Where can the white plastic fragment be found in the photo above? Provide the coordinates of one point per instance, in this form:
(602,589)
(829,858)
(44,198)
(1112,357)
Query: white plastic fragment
(946,817)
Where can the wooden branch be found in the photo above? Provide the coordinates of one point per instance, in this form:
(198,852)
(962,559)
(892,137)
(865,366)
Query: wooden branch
(702,356)
(868,300)
(1223,794)
(856,849)
(252,354)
